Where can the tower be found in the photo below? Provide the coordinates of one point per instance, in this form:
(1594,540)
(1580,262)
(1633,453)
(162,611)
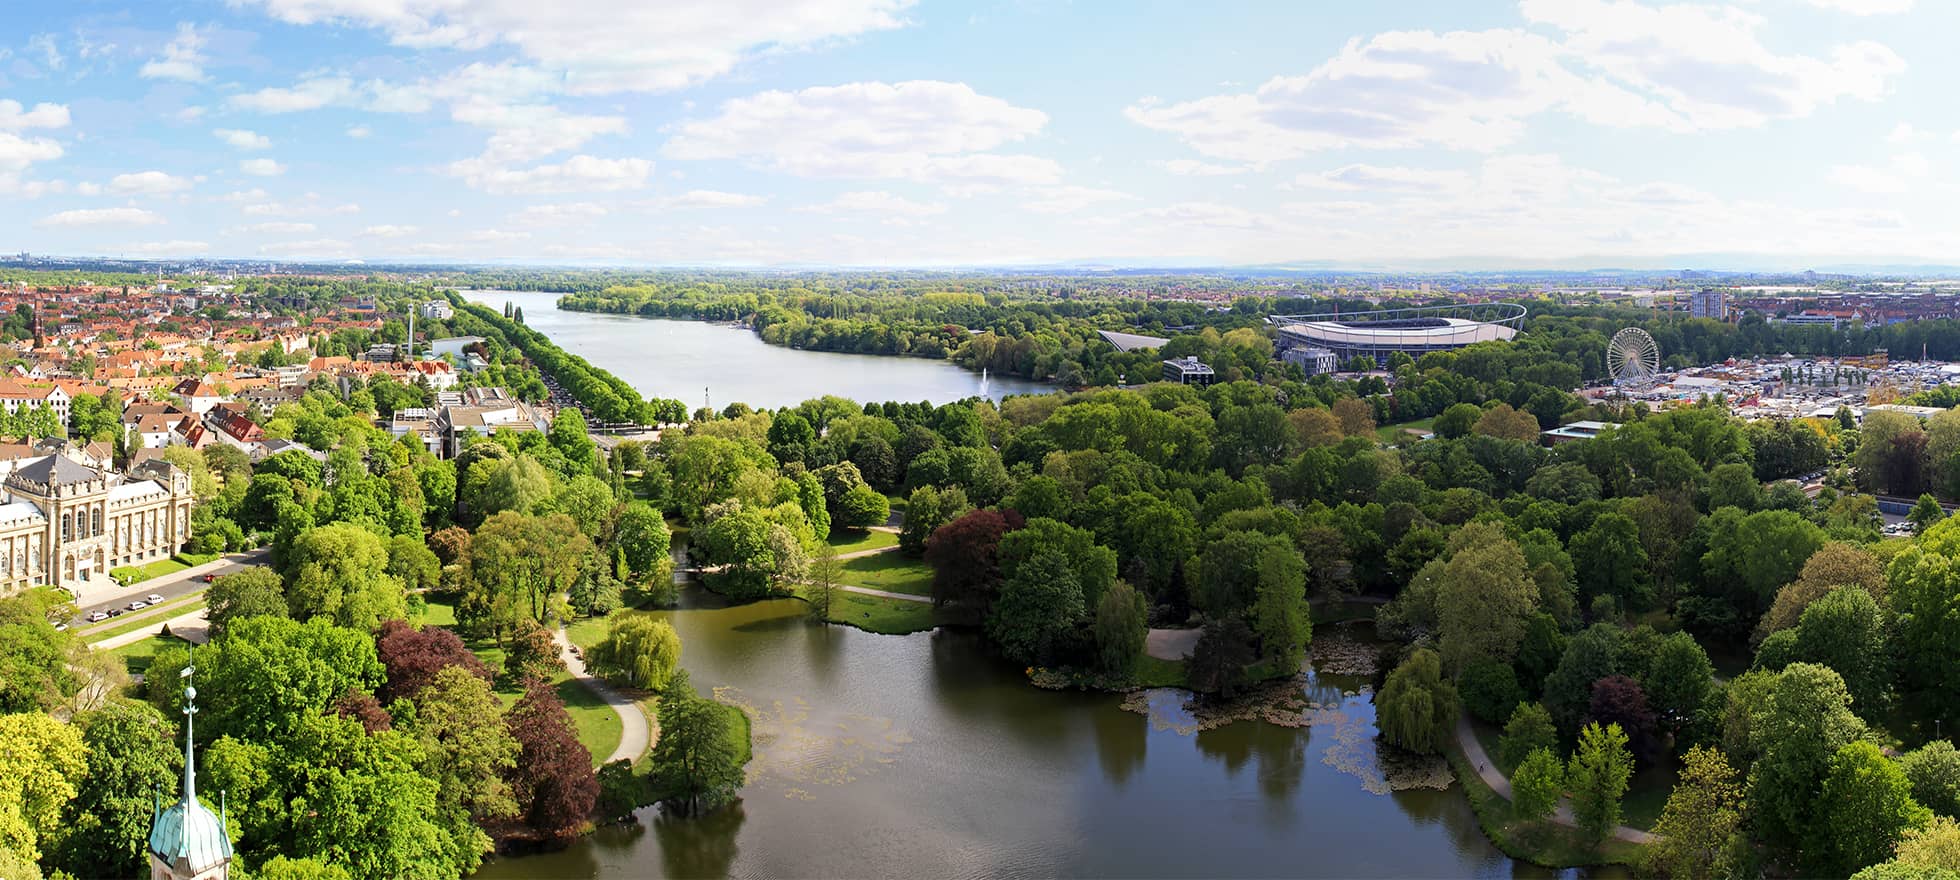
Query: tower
(188,842)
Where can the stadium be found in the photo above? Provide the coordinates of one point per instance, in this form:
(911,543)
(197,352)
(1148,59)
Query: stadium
(1316,341)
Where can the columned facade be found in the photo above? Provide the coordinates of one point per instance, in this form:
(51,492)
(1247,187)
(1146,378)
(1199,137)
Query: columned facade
(68,524)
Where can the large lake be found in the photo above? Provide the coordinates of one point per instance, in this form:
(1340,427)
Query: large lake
(685,359)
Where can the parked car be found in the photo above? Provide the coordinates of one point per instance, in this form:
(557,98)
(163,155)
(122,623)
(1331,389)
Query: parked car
(153,599)
(98,616)
(210,577)
(138,605)
(115,612)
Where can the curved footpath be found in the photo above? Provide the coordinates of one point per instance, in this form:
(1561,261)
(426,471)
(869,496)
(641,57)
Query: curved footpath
(635,734)
(1473,751)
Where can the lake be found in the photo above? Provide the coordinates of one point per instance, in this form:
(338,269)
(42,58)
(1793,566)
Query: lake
(682,359)
(923,756)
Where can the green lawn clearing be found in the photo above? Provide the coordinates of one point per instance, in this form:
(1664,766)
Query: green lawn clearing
(136,656)
(891,572)
(853,540)
(881,615)
(1396,433)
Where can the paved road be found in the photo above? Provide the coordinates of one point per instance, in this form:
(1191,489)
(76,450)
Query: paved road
(1473,751)
(191,626)
(635,736)
(183,583)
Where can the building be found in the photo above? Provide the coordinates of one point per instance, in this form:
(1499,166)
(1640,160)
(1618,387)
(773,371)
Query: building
(1189,371)
(439,374)
(1711,304)
(1313,360)
(1575,431)
(67,524)
(1412,331)
(1831,321)
(438,310)
(233,427)
(481,411)
(421,422)
(187,841)
(15,396)
(201,395)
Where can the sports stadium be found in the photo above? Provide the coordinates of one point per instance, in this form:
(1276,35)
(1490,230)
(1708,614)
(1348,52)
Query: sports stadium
(1375,335)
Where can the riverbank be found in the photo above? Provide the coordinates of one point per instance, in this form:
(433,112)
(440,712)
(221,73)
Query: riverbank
(1552,842)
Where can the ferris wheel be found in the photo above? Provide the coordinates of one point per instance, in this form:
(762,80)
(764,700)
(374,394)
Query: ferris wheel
(1632,356)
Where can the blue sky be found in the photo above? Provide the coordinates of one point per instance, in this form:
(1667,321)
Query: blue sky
(917,132)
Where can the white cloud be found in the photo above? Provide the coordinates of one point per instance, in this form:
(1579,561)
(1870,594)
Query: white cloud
(101,217)
(1068,199)
(14,117)
(601,46)
(1195,168)
(560,214)
(276,227)
(182,59)
(359,131)
(165,248)
(920,130)
(1866,7)
(1377,178)
(261,167)
(1613,62)
(309,94)
(390,231)
(708,198)
(498,236)
(878,202)
(146,183)
(243,139)
(16,152)
(580,173)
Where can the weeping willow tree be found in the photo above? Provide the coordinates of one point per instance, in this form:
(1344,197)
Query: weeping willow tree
(638,651)
(1417,707)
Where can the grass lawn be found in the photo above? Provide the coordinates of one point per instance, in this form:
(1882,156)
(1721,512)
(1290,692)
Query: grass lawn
(1540,842)
(881,615)
(891,572)
(439,610)
(854,540)
(598,725)
(1392,434)
(1154,672)
(136,656)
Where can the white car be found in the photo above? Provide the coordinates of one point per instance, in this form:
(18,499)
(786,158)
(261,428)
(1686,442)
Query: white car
(153,599)
(138,605)
(98,616)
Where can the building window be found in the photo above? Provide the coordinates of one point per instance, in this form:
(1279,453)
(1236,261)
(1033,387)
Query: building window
(67,527)
(95,522)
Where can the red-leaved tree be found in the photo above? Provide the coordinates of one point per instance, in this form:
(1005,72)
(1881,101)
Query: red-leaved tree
(413,657)
(965,570)
(553,779)
(1617,699)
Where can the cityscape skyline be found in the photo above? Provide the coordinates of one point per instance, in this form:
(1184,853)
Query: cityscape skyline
(1561,133)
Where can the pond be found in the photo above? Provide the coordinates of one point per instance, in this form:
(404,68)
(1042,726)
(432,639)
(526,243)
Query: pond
(690,360)
(924,756)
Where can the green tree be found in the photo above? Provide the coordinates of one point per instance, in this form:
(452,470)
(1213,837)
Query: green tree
(268,673)
(926,510)
(1865,806)
(519,566)
(648,543)
(638,651)
(41,763)
(1121,628)
(1529,730)
(698,759)
(467,751)
(589,502)
(1589,656)
(516,485)
(1679,680)
(1611,561)
(131,756)
(1484,602)
(1536,785)
(1846,632)
(1734,485)
(1038,604)
(1924,583)
(1417,707)
(250,593)
(1925,514)
(283,868)
(1600,770)
(861,507)
(34,669)
(825,571)
(412,562)
(1805,719)
(340,571)
(1699,833)
(1934,770)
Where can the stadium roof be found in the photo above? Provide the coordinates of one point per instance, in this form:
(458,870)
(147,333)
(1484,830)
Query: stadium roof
(1131,341)
(1445,332)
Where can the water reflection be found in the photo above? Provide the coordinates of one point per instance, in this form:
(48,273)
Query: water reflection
(883,756)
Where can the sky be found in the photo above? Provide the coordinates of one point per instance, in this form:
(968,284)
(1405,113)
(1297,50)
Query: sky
(932,133)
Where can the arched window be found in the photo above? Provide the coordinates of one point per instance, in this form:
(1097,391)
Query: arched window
(67,527)
(95,522)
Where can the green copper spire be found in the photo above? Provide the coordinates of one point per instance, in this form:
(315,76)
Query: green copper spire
(188,838)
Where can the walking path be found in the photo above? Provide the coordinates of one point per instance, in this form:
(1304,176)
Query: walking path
(1473,751)
(908,597)
(635,734)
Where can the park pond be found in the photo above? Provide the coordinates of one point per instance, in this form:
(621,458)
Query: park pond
(690,360)
(925,756)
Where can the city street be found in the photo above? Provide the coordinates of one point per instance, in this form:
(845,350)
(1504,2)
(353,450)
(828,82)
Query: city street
(183,583)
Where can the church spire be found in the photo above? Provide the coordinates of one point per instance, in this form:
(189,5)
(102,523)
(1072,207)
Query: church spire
(190,713)
(187,840)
